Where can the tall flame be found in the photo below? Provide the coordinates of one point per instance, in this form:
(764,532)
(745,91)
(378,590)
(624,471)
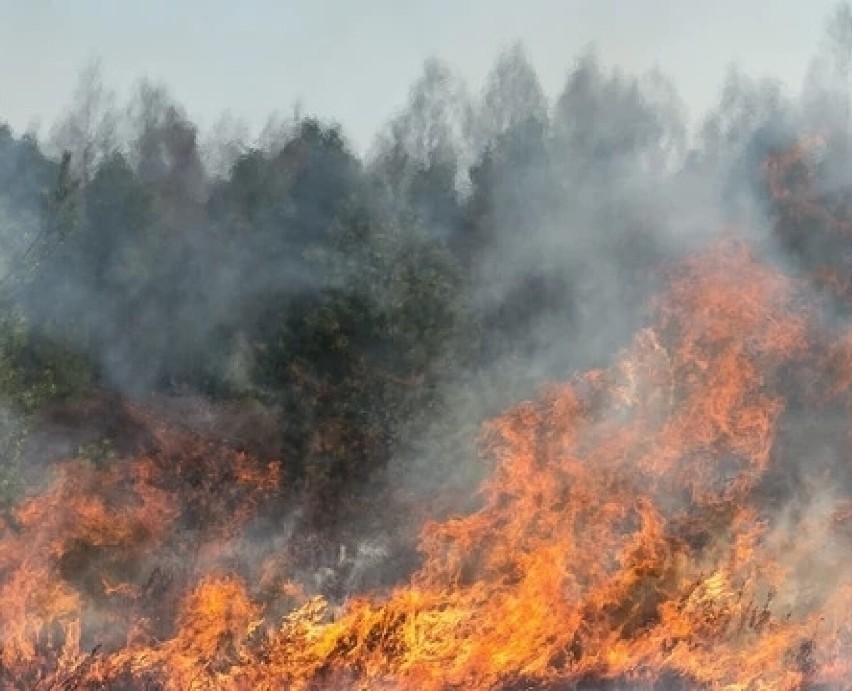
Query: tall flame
(681,519)
(627,532)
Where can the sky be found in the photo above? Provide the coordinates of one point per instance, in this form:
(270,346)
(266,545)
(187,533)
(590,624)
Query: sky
(354,61)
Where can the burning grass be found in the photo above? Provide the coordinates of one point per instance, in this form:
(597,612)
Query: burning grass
(681,519)
(635,530)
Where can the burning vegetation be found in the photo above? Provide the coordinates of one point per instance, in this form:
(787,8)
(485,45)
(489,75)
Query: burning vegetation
(237,401)
(666,522)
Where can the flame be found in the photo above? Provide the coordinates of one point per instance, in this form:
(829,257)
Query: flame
(680,519)
(620,537)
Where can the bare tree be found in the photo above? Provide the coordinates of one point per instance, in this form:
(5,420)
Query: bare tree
(744,106)
(88,128)
(513,95)
(164,143)
(430,133)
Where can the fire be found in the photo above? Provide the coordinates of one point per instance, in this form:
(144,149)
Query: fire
(621,536)
(681,519)
(629,532)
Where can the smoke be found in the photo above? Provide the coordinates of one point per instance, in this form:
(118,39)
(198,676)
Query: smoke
(559,215)
(360,319)
(570,212)
(186,257)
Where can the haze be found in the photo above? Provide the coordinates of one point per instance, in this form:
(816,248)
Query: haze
(354,62)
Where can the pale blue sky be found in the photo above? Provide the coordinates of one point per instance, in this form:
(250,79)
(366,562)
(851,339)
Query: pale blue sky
(354,61)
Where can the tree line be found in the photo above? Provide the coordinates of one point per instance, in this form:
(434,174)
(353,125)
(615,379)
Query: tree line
(486,244)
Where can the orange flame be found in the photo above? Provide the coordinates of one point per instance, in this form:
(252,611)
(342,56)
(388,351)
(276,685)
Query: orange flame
(680,517)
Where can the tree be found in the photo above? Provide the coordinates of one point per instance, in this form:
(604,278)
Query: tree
(164,148)
(420,162)
(513,168)
(88,130)
(40,362)
(357,361)
(616,125)
(744,107)
(513,97)
(224,145)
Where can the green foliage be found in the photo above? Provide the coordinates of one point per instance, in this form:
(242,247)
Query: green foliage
(353,295)
(34,371)
(38,363)
(363,357)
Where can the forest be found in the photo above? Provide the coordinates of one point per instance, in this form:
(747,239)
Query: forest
(356,309)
